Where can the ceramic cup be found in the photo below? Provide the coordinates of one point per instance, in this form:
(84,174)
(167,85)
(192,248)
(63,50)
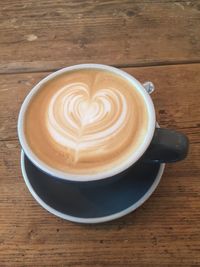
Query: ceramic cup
(159,145)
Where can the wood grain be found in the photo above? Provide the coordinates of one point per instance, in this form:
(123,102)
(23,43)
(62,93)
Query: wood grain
(163,232)
(48,34)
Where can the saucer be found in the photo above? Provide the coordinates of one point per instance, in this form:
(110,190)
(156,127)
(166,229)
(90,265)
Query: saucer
(83,203)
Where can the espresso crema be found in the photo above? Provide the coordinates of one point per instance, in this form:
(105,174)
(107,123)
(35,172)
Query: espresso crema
(85,121)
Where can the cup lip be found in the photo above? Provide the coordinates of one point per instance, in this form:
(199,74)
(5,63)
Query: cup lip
(104,174)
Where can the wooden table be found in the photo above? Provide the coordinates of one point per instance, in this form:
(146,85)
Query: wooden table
(153,40)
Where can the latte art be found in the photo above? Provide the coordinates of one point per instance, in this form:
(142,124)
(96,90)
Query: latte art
(85,122)
(81,121)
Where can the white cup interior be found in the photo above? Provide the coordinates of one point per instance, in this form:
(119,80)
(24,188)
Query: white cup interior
(104,174)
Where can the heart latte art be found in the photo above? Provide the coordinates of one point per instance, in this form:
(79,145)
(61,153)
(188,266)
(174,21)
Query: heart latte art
(79,121)
(85,121)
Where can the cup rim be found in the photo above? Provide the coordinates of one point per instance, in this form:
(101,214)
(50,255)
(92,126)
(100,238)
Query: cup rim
(104,174)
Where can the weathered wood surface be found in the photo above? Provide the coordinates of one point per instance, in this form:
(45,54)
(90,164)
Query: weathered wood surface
(165,231)
(49,34)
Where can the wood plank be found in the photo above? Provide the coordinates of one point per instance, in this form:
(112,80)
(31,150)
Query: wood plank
(176,97)
(163,232)
(47,35)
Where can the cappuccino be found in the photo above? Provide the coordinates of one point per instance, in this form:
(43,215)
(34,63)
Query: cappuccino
(85,121)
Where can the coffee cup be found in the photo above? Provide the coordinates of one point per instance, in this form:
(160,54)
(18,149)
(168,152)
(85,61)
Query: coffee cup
(91,122)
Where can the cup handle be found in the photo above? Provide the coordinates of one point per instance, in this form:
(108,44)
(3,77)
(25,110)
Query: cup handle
(166,146)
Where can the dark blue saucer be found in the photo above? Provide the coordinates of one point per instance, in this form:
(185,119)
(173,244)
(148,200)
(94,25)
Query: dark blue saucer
(92,202)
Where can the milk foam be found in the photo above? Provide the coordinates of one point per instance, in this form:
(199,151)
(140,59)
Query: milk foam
(80,121)
(85,121)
